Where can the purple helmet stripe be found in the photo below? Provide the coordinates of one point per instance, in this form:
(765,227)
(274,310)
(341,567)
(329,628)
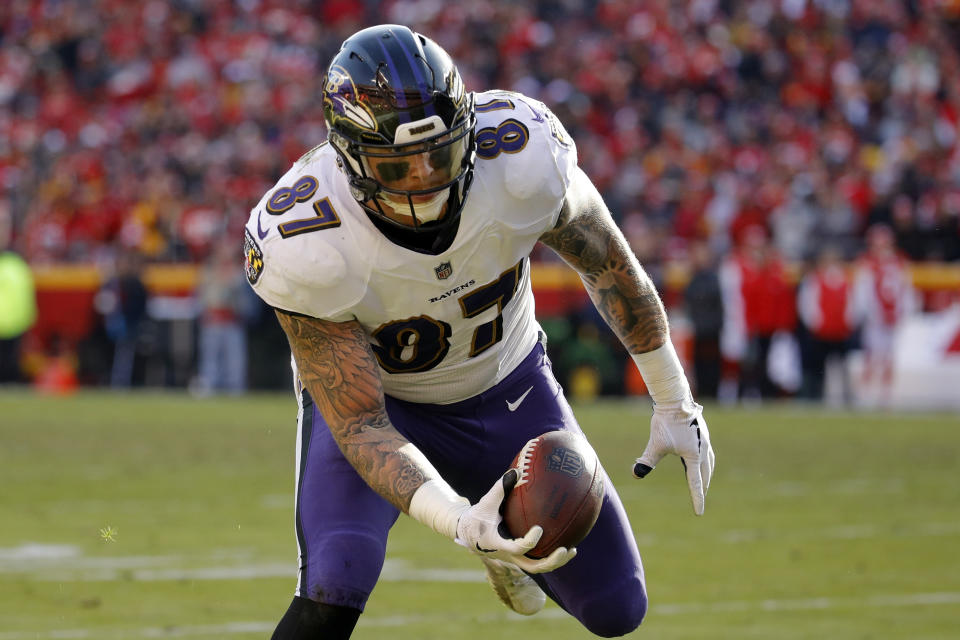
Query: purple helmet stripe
(421,81)
(401,98)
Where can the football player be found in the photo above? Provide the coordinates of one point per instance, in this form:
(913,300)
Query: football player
(396,256)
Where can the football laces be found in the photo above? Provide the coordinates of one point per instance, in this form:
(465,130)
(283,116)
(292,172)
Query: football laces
(525,459)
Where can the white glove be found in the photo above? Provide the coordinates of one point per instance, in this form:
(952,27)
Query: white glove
(681,430)
(478,530)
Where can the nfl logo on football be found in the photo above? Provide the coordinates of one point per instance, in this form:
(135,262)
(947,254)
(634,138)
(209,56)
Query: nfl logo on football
(443,270)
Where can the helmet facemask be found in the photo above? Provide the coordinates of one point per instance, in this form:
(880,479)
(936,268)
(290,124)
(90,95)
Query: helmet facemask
(419,176)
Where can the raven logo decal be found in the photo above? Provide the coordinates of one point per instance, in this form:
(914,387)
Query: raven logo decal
(341,97)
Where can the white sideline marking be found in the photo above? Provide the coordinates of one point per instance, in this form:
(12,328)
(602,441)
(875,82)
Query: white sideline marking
(37,552)
(805,604)
(553,612)
(231,628)
(847,487)
(62,563)
(65,563)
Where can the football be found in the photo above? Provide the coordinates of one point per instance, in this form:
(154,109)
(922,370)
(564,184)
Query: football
(560,488)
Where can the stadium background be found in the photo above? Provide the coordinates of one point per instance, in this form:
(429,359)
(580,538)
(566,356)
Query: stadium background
(135,137)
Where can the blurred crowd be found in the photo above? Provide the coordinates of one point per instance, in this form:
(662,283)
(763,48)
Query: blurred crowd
(151,126)
(155,125)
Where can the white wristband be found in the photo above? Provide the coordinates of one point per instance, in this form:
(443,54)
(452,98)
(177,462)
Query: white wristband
(434,503)
(663,374)
(438,506)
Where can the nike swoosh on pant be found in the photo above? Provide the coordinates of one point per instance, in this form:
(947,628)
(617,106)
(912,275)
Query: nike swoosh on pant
(512,406)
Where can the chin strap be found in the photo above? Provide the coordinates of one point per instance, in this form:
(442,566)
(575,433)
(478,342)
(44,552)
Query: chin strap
(363,189)
(422,212)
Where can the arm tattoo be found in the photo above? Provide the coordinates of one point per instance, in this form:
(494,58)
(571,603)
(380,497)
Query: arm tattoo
(590,242)
(339,370)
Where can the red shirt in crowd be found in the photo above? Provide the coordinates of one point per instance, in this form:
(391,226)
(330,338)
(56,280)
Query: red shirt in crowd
(826,303)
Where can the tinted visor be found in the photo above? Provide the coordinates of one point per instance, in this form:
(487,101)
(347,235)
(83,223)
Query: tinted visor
(422,166)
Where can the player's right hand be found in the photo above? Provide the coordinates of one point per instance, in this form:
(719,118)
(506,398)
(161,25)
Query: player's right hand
(478,530)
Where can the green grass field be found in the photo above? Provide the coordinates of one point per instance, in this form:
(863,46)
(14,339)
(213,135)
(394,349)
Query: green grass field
(155,515)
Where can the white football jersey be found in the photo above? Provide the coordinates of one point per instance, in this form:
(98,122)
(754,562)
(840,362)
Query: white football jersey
(444,327)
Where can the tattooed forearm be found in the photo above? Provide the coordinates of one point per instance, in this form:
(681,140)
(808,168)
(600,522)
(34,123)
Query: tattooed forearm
(619,287)
(339,370)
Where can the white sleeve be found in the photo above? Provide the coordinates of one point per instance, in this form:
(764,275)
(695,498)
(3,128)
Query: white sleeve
(808,303)
(539,177)
(863,295)
(733,335)
(304,274)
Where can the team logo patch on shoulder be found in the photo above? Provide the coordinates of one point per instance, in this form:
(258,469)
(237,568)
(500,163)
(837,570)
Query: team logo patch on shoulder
(558,131)
(443,270)
(253,257)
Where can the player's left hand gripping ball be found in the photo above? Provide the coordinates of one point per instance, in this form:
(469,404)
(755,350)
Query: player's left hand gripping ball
(681,431)
(479,530)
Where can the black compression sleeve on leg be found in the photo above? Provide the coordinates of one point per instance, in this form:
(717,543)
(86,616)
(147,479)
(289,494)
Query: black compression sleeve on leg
(309,620)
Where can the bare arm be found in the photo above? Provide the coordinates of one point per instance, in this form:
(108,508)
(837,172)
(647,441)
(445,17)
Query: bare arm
(589,241)
(340,372)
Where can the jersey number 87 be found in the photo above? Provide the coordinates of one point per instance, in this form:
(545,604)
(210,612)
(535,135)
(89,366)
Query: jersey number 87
(420,343)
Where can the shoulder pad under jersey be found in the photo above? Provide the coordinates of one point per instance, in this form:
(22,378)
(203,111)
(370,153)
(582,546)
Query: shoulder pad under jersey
(535,155)
(298,246)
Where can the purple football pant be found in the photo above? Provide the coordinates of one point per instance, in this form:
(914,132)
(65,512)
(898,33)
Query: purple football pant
(342,524)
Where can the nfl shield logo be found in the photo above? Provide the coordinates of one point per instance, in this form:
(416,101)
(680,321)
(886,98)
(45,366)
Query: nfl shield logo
(443,270)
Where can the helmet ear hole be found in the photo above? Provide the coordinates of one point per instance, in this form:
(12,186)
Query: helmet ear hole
(363,189)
